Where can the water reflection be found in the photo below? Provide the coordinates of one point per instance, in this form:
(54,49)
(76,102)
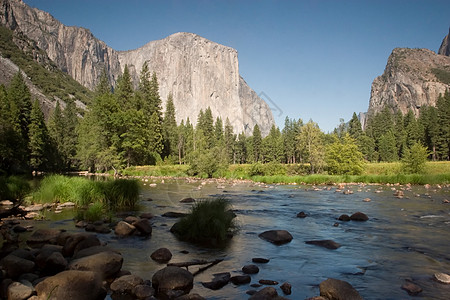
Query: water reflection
(404,238)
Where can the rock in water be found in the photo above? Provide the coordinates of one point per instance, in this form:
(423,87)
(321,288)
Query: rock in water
(329,244)
(411,288)
(359,216)
(266,293)
(277,237)
(172,279)
(71,284)
(442,277)
(219,281)
(161,255)
(338,290)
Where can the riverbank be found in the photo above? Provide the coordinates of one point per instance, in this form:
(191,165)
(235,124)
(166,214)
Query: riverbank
(374,173)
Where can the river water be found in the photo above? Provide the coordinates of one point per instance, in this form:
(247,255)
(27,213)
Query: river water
(404,239)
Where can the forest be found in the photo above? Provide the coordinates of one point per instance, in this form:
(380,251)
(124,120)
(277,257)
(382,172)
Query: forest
(127,126)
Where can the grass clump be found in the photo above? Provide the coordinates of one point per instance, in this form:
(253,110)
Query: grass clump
(112,194)
(210,222)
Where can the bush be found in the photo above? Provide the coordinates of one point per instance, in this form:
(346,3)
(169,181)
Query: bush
(414,159)
(210,222)
(14,188)
(121,193)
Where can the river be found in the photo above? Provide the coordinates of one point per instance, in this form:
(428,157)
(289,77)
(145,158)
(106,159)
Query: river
(404,239)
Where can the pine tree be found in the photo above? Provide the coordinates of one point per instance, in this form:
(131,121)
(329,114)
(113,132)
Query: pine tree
(230,142)
(387,147)
(104,86)
(354,127)
(399,133)
(205,128)
(273,146)
(156,138)
(70,135)
(170,129)
(125,91)
(241,149)
(257,144)
(218,132)
(443,141)
(38,138)
(429,122)
(412,129)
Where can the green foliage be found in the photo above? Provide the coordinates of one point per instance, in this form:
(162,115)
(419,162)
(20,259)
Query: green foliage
(343,157)
(113,194)
(14,188)
(387,147)
(257,144)
(269,169)
(207,163)
(310,144)
(45,75)
(210,222)
(443,75)
(39,141)
(169,127)
(415,158)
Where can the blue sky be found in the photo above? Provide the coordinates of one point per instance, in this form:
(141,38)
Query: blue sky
(314,59)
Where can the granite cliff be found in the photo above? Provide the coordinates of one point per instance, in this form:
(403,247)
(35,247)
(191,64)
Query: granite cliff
(199,72)
(445,45)
(412,78)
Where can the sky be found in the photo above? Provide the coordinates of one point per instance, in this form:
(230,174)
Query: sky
(311,59)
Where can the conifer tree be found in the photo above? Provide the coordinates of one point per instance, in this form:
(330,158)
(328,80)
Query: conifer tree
(125,91)
(218,132)
(230,142)
(429,122)
(387,147)
(104,86)
(443,141)
(257,144)
(170,128)
(241,149)
(38,138)
(354,127)
(273,146)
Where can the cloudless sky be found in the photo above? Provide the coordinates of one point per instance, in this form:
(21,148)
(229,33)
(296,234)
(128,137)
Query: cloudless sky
(313,59)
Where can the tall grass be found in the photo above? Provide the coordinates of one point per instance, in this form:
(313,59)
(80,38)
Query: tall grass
(113,194)
(14,188)
(210,222)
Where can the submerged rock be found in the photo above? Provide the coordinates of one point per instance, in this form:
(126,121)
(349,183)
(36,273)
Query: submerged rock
(260,260)
(219,281)
(266,293)
(172,214)
(359,216)
(161,255)
(172,279)
(240,279)
(344,218)
(329,244)
(277,237)
(286,288)
(411,288)
(268,282)
(106,264)
(250,269)
(338,290)
(302,215)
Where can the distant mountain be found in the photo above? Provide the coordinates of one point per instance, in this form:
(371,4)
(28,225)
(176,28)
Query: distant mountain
(445,45)
(412,78)
(199,72)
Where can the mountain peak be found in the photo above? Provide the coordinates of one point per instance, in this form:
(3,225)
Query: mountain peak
(445,45)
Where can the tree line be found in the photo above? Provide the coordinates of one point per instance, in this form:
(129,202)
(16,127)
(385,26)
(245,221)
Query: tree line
(126,126)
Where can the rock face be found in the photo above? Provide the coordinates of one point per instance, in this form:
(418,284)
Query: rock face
(199,72)
(73,49)
(445,46)
(412,78)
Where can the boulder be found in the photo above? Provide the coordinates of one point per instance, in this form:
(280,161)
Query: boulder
(126,284)
(131,219)
(172,279)
(71,243)
(124,229)
(411,288)
(359,216)
(187,200)
(71,284)
(172,214)
(260,260)
(190,297)
(265,293)
(240,279)
(286,288)
(43,236)
(54,264)
(250,269)
(93,250)
(146,215)
(19,291)
(338,290)
(107,264)
(219,281)
(143,226)
(16,266)
(268,282)
(162,255)
(143,291)
(442,278)
(329,244)
(302,215)
(277,237)
(344,218)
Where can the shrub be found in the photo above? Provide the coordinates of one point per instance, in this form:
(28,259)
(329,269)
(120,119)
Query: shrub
(14,188)
(210,222)
(121,193)
(414,159)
